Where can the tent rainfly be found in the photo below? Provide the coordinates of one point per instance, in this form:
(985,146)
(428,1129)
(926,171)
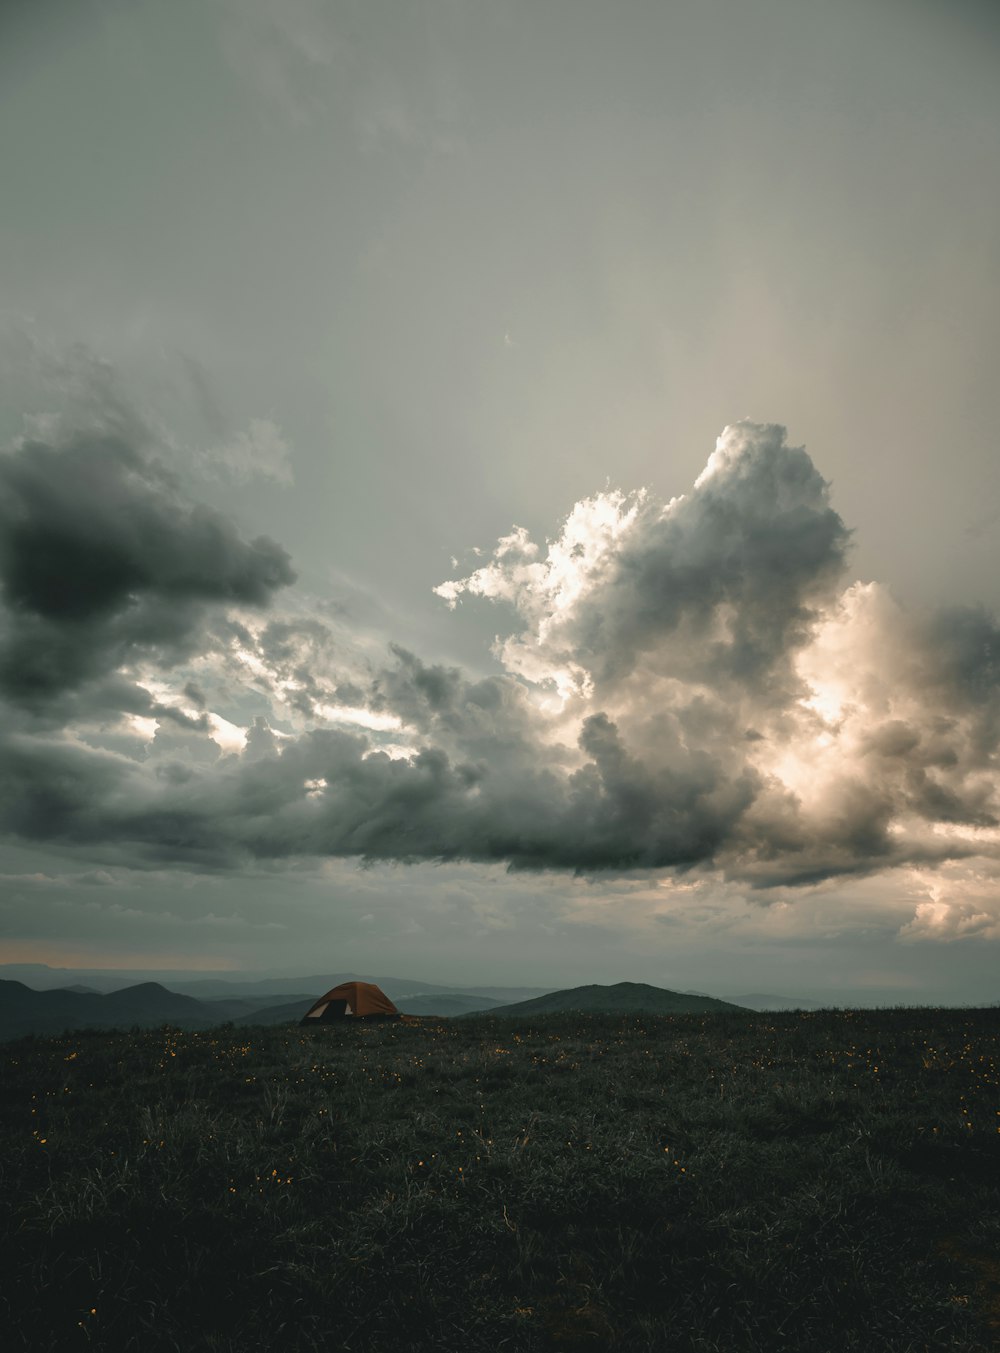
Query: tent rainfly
(351,998)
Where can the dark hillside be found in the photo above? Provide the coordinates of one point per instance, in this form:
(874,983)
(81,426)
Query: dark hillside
(146,1005)
(24,1011)
(149,1000)
(824,1183)
(623,998)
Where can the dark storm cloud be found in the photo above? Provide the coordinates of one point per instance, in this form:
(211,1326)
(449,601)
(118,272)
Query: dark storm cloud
(489,718)
(299,655)
(964,646)
(328,793)
(53,790)
(687,688)
(103,560)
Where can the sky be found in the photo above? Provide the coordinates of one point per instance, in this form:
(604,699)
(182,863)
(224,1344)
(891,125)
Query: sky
(503,492)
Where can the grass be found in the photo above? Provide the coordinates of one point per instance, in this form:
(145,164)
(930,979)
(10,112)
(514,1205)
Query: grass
(802,1182)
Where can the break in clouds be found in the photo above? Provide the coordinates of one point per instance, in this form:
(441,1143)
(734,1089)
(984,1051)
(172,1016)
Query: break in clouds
(685,685)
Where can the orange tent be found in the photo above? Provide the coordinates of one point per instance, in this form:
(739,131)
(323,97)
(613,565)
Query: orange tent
(351,998)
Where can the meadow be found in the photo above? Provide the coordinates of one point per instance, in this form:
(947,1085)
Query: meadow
(804,1182)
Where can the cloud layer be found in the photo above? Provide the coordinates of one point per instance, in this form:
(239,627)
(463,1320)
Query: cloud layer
(689,685)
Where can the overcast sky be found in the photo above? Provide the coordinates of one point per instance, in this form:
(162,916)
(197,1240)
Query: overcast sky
(503,491)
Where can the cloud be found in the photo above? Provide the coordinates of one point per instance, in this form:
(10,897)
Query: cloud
(954,905)
(726,579)
(104,562)
(692,686)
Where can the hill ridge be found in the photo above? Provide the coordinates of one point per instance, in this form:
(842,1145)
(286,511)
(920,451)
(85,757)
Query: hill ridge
(619,998)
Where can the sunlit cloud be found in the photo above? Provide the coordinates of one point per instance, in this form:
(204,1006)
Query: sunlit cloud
(692,687)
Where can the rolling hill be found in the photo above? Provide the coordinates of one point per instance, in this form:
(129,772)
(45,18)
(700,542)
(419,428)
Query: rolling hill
(25,1011)
(623,998)
(146,1005)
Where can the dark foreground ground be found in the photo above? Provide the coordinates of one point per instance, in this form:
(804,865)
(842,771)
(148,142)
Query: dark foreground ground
(796,1182)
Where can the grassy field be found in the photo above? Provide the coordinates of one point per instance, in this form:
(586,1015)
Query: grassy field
(815,1182)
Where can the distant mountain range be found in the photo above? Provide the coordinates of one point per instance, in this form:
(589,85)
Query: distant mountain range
(40,977)
(447,1004)
(145,1005)
(92,999)
(455,1003)
(23,1011)
(398,989)
(150,1004)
